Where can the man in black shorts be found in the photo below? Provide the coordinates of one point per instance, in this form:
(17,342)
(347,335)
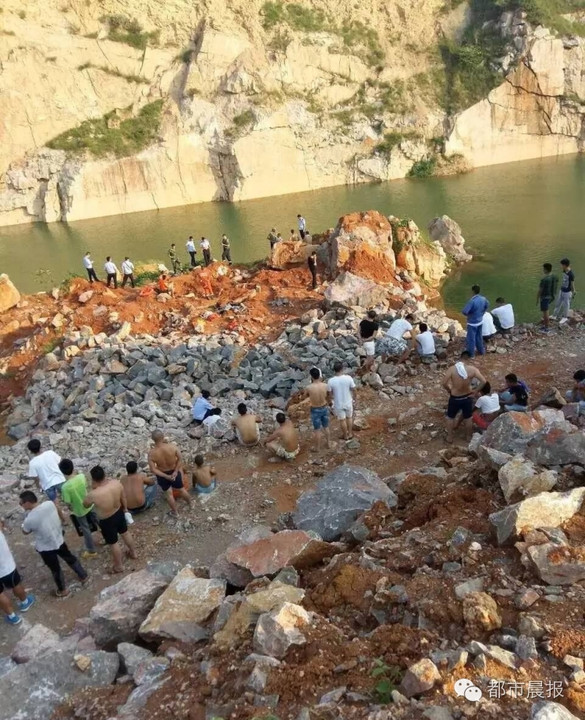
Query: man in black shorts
(109,499)
(458,383)
(10,580)
(164,460)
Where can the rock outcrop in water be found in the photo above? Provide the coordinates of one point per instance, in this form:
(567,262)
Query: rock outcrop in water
(246,102)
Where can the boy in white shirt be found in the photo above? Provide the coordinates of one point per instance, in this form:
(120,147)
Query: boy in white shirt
(111,272)
(488,329)
(342,389)
(127,272)
(10,580)
(425,343)
(503,315)
(488,407)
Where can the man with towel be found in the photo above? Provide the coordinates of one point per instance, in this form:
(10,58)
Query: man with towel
(458,383)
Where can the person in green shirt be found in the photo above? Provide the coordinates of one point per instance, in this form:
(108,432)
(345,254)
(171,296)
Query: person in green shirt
(547,291)
(73,492)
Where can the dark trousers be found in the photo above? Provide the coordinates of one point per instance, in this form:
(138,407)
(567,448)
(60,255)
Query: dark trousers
(208,413)
(302,233)
(91,275)
(113,277)
(207,257)
(176,265)
(192,255)
(128,278)
(51,560)
(314,276)
(227,255)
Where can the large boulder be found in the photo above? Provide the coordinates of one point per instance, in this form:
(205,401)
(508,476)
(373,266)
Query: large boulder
(558,564)
(447,233)
(37,641)
(557,446)
(342,495)
(33,690)
(287,253)
(278,630)
(121,608)
(511,432)
(546,510)
(480,613)
(349,290)
(420,678)
(182,608)
(362,244)
(268,555)
(521,477)
(544,710)
(9,295)
(425,259)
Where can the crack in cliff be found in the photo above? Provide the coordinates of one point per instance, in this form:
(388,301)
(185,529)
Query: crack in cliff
(30,127)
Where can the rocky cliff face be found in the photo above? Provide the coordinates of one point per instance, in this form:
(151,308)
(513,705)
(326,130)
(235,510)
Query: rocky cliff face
(247,99)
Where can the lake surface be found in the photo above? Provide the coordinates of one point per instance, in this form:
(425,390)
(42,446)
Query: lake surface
(514,217)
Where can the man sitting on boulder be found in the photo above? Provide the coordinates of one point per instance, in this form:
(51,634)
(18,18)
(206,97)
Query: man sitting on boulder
(515,397)
(577,394)
(284,441)
(394,344)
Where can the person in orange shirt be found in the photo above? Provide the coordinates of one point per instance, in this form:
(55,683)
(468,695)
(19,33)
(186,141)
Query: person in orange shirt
(164,286)
(206,286)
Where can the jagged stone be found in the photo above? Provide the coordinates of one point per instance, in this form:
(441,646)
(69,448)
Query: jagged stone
(480,613)
(447,232)
(9,295)
(544,710)
(38,641)
(278,630)
(132,656)
(558,565)
(349,290)
(521,477)
(420,678)
(511,432)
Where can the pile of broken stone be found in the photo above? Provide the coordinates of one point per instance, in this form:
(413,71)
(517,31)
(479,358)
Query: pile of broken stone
(254,608)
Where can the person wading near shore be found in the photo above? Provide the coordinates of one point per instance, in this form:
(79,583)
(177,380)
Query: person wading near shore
(302,225)
(284,441)
(342,388)
(10,580)
(140,489)
(246,426)
(206,250)
(547,290)
(88,265)
(368,330)
(192,250)
(474,312)
(164,461)
(42,520)
(226,249)
(312,263)
(73,493)
(318,394)
(111,272)
(566,293)
(458,383)
(127,272)
(110,505)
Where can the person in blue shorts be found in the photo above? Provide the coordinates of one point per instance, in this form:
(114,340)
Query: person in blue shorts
(318,394)
(204,480)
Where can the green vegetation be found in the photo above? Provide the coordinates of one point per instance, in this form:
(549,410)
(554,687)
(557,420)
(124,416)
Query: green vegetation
(423,168)
(51,345)
(279,41)
(392,139)
(145,277)
(244,119)
(344,117)
(105,136)
(542,12)
(388,678)
(130,32)
(22,14)
(358,38)
(115,73)
(186,56)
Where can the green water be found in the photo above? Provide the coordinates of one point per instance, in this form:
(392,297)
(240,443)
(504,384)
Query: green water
(514,217)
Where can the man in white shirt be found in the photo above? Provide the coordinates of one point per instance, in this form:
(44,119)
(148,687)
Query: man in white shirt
(488,329)
(127,272)
(302,223)
(192,250)
(503,315)
(10,580)
(394,344)
(43,521)
(88,265)
(206,250)
(202,408)
(44,466)
(111,272)
(425,343)
(341,387)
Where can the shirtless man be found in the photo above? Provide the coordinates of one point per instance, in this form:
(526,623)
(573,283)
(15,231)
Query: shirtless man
(204,476)
(109,500)
(458,383)
(139,488)
(164,461)
(246,425)
(284,441)
(318,394)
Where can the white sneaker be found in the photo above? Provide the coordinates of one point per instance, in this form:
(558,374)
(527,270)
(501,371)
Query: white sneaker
(562,321)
